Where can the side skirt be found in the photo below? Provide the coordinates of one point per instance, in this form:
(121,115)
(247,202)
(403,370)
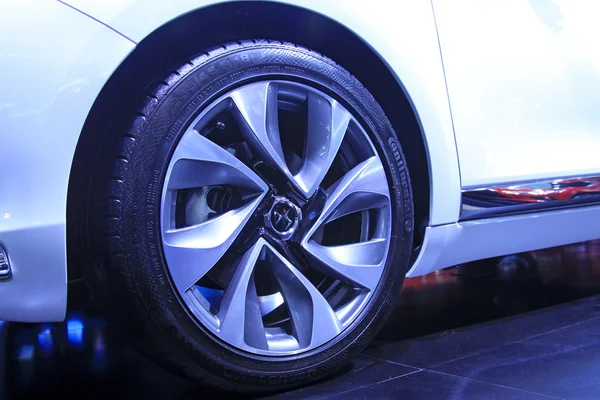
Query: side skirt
(465,241)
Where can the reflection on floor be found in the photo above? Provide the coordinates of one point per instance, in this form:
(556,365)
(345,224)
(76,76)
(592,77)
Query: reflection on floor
(523,327)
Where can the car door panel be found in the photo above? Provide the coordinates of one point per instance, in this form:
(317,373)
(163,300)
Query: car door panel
(523,80)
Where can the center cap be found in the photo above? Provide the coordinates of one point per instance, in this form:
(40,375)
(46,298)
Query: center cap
(283,217)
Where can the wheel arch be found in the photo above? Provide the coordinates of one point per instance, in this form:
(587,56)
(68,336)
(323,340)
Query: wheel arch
(185,35)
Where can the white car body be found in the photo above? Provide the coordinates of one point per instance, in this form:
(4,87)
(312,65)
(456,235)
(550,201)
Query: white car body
(505,92)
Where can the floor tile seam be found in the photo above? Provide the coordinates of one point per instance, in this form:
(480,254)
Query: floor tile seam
(391,361)
(374,383)
(492,384)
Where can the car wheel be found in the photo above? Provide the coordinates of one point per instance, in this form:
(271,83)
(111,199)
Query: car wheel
(252,226)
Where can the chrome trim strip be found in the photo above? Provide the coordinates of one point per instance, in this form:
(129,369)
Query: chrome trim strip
(523,197)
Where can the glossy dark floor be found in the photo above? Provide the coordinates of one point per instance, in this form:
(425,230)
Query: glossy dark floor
(525,328)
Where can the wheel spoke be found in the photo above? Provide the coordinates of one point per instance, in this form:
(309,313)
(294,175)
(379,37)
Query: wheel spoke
(355,263)
(327,124)
(362,188)
(192,251)
(312,317)
(241,320)
(199,162)
(258,118)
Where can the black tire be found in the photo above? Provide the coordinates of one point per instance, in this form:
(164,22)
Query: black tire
(127,273)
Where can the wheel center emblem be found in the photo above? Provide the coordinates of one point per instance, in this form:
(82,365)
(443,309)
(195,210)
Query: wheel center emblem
(283,217)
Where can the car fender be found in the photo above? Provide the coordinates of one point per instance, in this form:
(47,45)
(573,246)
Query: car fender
(403,35)
(54,62)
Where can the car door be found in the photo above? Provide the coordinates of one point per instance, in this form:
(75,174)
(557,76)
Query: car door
(523,79)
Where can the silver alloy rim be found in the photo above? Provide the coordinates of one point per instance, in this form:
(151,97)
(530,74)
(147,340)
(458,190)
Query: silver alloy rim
(259,257)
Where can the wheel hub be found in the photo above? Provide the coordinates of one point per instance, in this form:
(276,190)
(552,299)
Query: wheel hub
(283,217)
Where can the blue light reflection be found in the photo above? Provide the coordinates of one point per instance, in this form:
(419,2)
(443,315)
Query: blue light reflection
(75,331)
(26,352)
(45,340)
